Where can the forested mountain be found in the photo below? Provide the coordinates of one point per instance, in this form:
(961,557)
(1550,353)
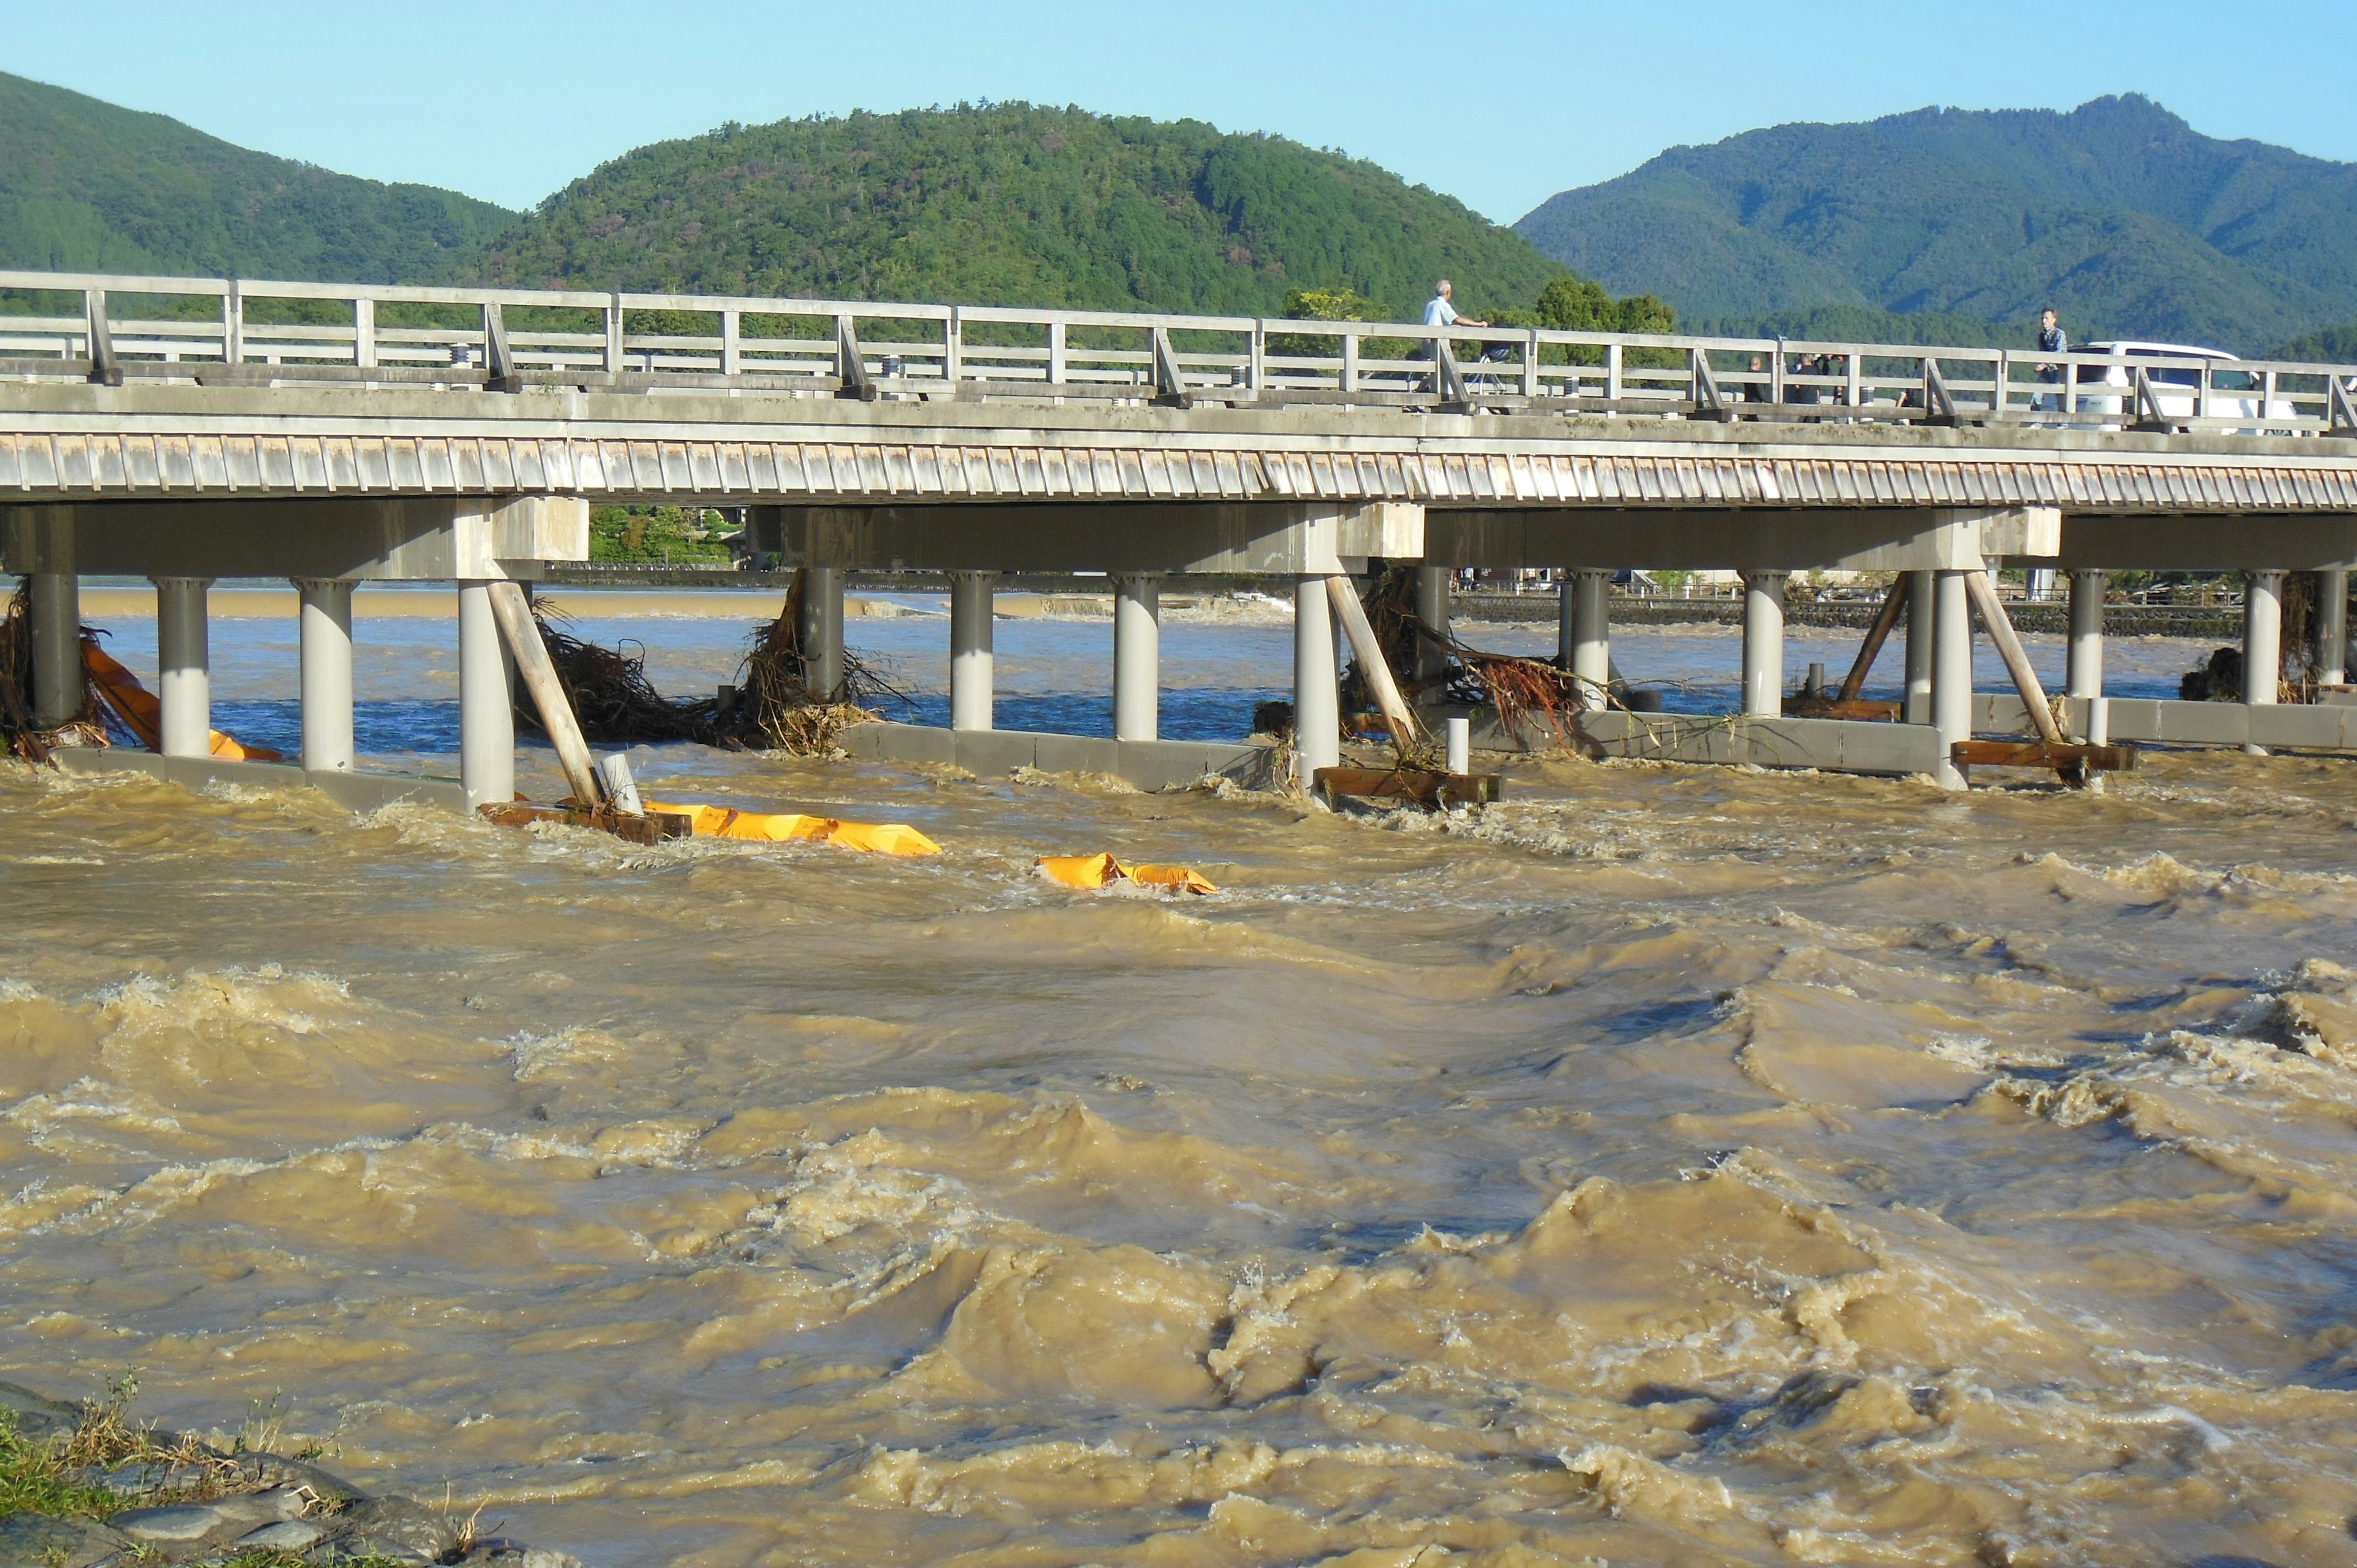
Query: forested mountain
(1013,205)
(86,186)
(2118,213)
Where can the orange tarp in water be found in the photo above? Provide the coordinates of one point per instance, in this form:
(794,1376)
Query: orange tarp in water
(1099,870)
(873,838)
(143,715)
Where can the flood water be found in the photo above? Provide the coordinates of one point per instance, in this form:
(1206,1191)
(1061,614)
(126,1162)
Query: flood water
(1665,1166)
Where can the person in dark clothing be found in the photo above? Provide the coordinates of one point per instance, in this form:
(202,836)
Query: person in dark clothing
(1804,393)
(2052,339)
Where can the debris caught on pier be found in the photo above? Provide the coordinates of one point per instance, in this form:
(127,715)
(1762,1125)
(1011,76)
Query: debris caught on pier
(26,739)
(136,709)
(771,707)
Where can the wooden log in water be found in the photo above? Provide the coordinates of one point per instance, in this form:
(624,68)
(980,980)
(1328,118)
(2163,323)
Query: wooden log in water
(1426,786)
(654,827)
(2060,755)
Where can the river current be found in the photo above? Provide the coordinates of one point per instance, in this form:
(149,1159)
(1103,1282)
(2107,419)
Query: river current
(1664,1166)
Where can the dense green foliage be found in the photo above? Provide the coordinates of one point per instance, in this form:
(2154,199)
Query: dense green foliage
(650,535)
(2118,213)
(86,186)
(1013,205)
(2332,346)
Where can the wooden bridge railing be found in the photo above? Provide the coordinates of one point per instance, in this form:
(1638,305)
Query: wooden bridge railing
(113,327)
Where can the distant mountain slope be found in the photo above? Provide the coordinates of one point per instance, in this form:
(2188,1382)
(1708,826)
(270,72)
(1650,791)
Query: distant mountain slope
(1013,205)
(2118,213)
(86,186)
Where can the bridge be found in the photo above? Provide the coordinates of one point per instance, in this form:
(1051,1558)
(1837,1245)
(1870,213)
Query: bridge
(187,429)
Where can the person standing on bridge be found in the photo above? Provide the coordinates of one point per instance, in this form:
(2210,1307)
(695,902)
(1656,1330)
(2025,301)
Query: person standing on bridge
(1440,312)
(2052,339)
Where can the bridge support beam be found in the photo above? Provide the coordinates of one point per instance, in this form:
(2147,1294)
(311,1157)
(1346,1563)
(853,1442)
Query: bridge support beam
(1432,585)
(2262,643)
(486,712)
(1316,697)
(819,630)
(2333,626)
(972,594)
(1952,673)
(184,666)
(1137,656)
(1590,643)
(1763,643)
(324,635)
(1922,609)
(2084,674)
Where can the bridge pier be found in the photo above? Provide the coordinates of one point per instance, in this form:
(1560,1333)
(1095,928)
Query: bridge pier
(1136,655)
(2333,626)
(2083,676)
(1588,637)
(55,607)
(486,712)
(1763,643)
(184,665)
(1316,697)
(1952,672)
(1922,609)
(1432,588)
(2262,643)
(325,639)
(818,629)
(972,670)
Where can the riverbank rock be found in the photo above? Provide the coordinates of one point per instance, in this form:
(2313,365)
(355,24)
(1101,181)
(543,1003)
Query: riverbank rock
(190,1503)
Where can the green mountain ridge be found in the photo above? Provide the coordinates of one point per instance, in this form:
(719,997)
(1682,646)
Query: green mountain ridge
(2118,213)
(1011,204)
(86,186)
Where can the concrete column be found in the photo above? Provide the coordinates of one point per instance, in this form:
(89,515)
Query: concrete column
(57,647)
(819,631)
(1921,610)
(1952,672)
(183,658)
(2333,626)
(1763,644)
(972,594)
(1432,608)
(1590,639)
(1316,699)
(2083,677)
(2262,642)
(1137,656)
(326,637)
(486,713)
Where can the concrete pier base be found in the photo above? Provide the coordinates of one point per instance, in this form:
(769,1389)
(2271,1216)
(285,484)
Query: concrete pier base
(1137,656)
(1432,608)
(56,605)
(1590,639)
(2333,626)
(1952,673)
(1316,702)
(1763,644)
(184,666)
(486,718)
(326,640)
(819,628)
(972,668)
(2084,675)
(1921,609)
(2262,644)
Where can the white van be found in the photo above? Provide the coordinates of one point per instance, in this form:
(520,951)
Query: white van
(2175,382)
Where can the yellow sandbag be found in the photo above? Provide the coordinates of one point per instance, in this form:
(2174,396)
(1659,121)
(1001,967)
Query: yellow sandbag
(1092,871)
(1080,870)
(781,827)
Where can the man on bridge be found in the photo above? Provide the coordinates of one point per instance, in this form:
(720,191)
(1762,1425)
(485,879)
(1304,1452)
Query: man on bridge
(1439,313)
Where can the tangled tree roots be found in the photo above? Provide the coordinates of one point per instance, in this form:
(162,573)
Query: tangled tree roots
(770,708)
(87,727)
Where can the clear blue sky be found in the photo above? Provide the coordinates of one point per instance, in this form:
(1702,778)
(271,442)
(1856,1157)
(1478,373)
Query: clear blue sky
(1501,105)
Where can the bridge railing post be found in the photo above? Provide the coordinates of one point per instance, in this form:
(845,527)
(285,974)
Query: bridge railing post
(233,325)
(732,353)
(1058,367)
(1612,370)
(954,347)
(364,332)
(1259,350)
(616,359)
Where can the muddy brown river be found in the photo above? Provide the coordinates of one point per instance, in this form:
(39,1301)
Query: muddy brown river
(1665,1166)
